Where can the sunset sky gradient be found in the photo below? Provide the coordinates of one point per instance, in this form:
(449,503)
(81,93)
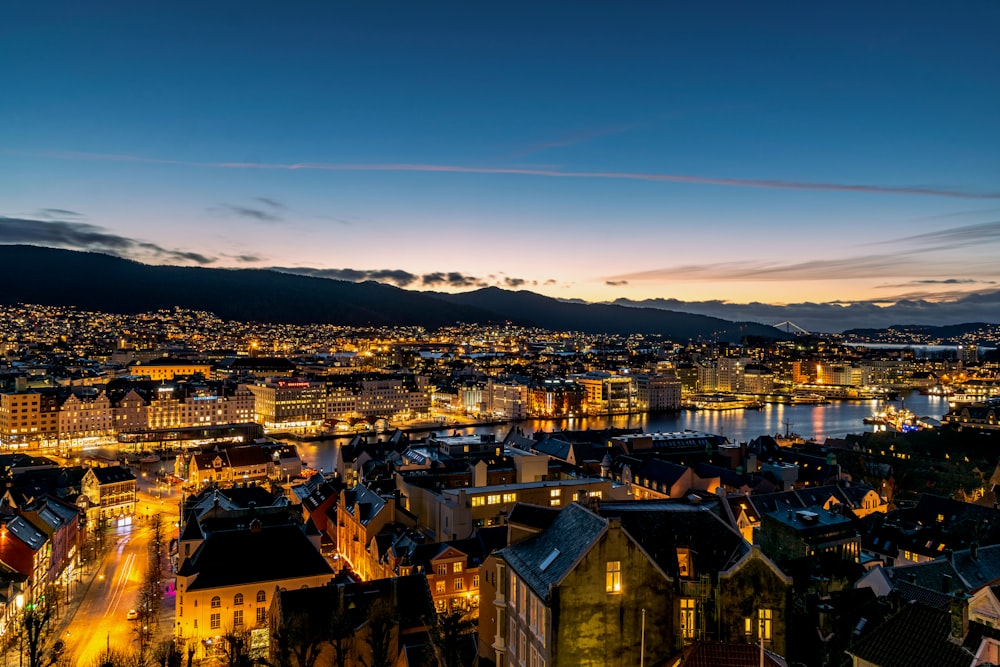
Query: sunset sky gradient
(734,151)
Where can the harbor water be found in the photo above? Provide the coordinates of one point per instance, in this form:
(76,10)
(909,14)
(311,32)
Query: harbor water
(818,422)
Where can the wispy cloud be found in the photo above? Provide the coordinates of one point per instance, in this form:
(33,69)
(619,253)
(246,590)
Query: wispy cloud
(616,283)
(272,203)
(58,213)
(572,139)
(906,251)
(957,237)
(402,278)
(240,211)
(773,184)
(84,236)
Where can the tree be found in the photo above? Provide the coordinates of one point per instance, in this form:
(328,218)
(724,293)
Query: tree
(116,657)
(34,634)
(169,653)
(236,649)
(380,626)
(299,640)
(450,635)
(341,632)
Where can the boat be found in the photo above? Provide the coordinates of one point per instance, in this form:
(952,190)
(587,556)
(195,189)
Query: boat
(149,458)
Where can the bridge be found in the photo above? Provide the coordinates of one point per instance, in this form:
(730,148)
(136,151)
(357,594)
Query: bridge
(789,326)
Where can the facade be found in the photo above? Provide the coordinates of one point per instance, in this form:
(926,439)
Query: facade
(28,417)
(288,404)
(167,369)
(85,415)
(229,582)
(575,595)
(506,400)
(110,491)
(557,397)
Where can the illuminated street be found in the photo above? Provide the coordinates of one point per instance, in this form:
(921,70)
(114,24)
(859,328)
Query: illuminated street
(100,620)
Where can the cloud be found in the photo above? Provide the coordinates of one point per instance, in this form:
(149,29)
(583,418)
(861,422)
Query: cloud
(401,278)
(836,317)
(957,237)
(57,213)
(906,251)
(85,236)
(258,214)
(273,203)
(248,259)
(773,184)
(615,283)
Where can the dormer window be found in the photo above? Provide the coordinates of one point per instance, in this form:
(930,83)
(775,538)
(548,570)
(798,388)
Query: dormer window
(685,567)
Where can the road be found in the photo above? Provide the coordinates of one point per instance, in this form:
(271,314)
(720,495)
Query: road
(100,620)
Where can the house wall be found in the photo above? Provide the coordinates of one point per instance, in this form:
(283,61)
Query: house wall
(742,594)
(592,628)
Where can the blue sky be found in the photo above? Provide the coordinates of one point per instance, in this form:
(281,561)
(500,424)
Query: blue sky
(773,152)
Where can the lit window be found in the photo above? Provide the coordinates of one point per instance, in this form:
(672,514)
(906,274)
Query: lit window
(613,580)
(765,617)
(456,568)
(555,493)
(478,501)
(440,586)
(493,499)
(459,584)
(510,497)
(442,569)
(475,581)
(687,618)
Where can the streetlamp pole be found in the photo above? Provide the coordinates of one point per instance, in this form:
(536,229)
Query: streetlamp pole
(642,641)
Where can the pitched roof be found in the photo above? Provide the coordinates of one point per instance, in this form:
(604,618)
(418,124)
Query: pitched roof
(917,635)
(569,538)
(112,474)
(238,557)
(662,527)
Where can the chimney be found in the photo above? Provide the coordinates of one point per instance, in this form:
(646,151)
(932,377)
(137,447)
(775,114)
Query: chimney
(946,583)
(959,609)
(974,551)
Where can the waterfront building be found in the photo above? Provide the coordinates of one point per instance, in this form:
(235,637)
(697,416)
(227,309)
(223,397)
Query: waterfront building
(166,368)
(85,413)
(506,400)
(291,404)
(556,397)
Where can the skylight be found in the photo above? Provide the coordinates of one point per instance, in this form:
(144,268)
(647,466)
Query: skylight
(548,560)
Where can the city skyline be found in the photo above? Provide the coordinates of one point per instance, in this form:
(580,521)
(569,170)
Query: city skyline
(778,155)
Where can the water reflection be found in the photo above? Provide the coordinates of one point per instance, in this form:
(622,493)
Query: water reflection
(832,420)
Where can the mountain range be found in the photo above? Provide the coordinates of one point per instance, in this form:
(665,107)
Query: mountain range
(97,282)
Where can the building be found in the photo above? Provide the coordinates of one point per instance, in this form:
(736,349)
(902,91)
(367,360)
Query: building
(287,404)
(110,492)
(167,369)
(231,578)
(581,593)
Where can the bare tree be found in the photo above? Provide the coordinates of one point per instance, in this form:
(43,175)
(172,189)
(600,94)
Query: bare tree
(236,649)
(380,632)
(33,628)
(116,657)
(299,640)
(450,634)
(341,633)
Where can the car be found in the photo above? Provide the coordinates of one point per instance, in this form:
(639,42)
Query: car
(132,615)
